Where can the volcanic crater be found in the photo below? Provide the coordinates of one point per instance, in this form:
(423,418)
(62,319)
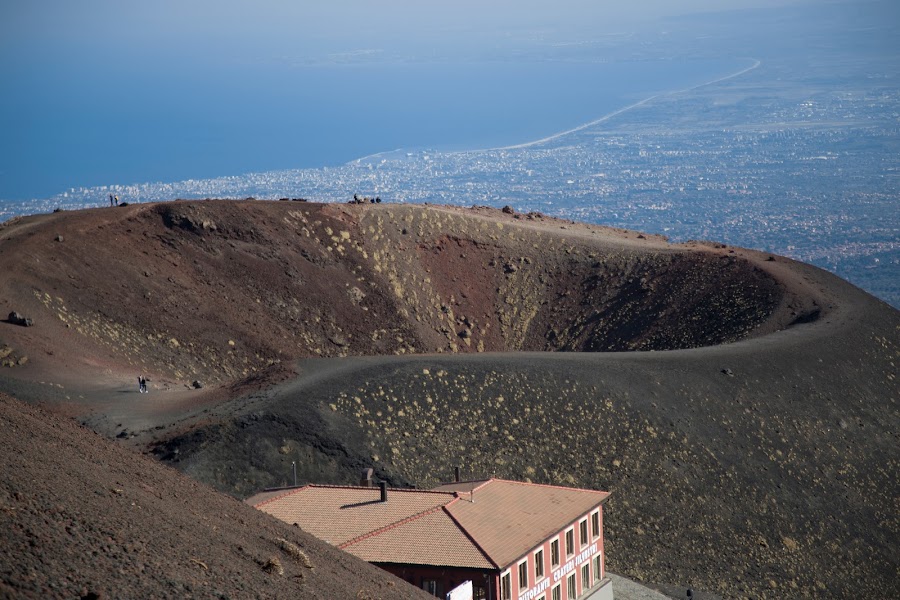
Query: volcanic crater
(220,289)
(732,401)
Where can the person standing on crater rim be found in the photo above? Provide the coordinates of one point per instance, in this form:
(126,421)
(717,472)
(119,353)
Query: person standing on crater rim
(142,384)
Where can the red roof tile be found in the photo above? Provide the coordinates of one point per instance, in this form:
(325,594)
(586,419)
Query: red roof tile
(481,524)
(509,518)
(339,514)
(430,539)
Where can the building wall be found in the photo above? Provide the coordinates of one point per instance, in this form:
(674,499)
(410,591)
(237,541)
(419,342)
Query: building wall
(445,578)
(587,550)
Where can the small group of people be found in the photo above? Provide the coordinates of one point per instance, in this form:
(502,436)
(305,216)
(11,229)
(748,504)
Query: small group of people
(113,200)
(364,199)
(142,384)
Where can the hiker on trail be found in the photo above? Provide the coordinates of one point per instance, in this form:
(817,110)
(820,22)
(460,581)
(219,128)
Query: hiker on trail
(142,384)
(117,199)
(110,199)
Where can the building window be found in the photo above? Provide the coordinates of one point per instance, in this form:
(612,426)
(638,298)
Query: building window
(595,524)
(430,586)
(555,593)
(538,564)
(554,553)
(586,576)
(479,593)
(523,574)
(572,593)
(582,533)
(570,542)
(598,571)
(505,586)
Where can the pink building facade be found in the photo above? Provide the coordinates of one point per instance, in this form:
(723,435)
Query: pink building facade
(567,566)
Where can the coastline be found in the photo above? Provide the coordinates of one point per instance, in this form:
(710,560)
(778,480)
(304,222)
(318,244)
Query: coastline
(68,197)
(756,64)
(618,112)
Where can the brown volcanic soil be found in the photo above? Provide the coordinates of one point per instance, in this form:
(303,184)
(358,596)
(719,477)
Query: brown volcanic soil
(81,515)
(744,459)
(217,290)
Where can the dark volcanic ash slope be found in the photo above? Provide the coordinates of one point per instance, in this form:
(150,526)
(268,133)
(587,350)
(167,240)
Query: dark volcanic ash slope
(219,289)
(81,515)
(743,470)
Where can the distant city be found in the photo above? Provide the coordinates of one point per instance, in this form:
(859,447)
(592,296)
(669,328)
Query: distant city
(795,156)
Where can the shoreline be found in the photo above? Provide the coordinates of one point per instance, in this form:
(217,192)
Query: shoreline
(756,64)
(583,126)
(615,113)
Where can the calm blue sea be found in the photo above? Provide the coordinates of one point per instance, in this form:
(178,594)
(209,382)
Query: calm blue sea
(67,127)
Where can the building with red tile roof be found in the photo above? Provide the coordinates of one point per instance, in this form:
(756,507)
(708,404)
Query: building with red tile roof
(513,540)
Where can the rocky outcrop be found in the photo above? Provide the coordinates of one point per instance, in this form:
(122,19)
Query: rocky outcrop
(17,319)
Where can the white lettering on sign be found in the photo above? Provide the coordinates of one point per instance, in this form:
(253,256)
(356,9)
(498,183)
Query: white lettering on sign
(533,592)
(586,554)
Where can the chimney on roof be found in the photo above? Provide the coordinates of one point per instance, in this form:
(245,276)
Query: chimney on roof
(456,474)
(365,479)
(383,486)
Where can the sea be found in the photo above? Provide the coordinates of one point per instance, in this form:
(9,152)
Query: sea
(67,127)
